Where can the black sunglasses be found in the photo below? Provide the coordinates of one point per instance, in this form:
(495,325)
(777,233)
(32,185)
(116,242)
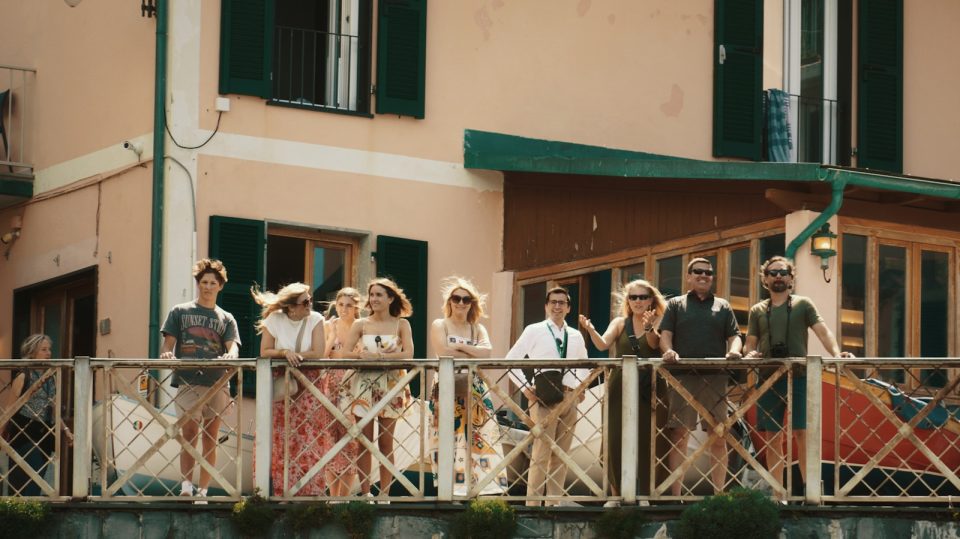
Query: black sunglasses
(466,300)
(780,272)
(699,271)
(640,297)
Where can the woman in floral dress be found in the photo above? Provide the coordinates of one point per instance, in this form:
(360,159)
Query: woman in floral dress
(288,317)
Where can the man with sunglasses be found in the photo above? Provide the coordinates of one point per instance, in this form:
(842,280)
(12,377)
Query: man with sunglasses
(777,328)
(550,339)
(698,325)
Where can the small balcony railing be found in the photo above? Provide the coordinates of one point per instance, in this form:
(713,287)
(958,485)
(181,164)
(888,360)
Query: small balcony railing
(316,69)
(813,124)
(16,113)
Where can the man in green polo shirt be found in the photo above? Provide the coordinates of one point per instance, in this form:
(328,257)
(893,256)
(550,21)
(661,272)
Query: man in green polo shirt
(777,328)
(698,325)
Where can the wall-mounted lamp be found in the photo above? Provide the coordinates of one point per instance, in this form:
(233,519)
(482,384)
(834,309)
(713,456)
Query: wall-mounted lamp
(8,238)
(71,3)
(823,243)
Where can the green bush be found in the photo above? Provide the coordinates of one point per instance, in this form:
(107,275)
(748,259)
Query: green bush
(357,518)
(253,516)
(22,518)
(304,517)
(739,514)
(620,523)
(485,518)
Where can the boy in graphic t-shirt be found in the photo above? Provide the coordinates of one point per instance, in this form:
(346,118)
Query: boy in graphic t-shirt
(200,329)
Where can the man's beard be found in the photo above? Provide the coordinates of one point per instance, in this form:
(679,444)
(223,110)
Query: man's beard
(778,286)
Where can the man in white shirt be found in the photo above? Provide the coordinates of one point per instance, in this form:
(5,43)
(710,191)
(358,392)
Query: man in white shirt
(551,339)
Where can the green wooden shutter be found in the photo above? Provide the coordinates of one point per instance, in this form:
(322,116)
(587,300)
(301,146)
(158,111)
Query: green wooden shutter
(246,47)
(401,57)
(405,261)
(738,78)
(240,245)
(880,85)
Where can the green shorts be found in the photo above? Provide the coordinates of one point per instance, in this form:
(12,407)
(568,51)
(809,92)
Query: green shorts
(772,405)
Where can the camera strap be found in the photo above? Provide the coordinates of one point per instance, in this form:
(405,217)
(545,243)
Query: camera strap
(628,327)
(561,345)
(786,331)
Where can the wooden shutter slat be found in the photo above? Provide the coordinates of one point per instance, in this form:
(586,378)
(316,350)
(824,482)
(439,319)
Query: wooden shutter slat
(246,47)
(401,57)
(737,103)
(240,244)
(880,74)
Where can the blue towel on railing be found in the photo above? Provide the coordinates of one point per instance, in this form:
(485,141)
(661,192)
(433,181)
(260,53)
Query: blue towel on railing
(779,141)
(907,407)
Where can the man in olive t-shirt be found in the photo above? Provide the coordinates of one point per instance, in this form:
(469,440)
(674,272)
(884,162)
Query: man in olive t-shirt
(777,328)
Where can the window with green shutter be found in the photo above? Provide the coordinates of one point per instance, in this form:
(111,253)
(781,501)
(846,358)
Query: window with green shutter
(240,245)
(405,262)
(246,37)
(401,57)
(880,85)
(738,78)
(316,54)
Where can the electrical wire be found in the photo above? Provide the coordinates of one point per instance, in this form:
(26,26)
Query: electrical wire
(193,200)
(166,126)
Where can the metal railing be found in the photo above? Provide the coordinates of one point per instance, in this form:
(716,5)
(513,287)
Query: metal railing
(813,128)
(316,69)
(467,430)
(16,100)
(31,419)
(154,423)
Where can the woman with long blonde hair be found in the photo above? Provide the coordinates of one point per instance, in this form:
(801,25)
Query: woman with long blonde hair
(634,332)
(341,472)
(460,334)
(291,330)
(384,335)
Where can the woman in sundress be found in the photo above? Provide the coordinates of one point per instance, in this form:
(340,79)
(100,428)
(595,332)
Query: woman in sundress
(460,334)
(385,335)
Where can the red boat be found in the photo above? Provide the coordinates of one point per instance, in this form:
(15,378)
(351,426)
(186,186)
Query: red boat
(855,430)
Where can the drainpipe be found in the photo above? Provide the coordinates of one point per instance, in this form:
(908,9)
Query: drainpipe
(159,142)
(836,200)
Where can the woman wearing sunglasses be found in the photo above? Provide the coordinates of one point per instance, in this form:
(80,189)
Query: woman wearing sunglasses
(460,334)
(383,336)
(290,329)
(634,332)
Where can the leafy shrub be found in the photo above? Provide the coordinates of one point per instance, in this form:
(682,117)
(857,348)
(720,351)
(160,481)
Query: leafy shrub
(620,523)
(253,516)
(357,518)
(485,518)
(739,514)
(22,518)
(304,517)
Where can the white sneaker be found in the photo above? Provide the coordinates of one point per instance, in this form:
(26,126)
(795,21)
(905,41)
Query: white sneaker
(612,503)
(201,493)
(186,488)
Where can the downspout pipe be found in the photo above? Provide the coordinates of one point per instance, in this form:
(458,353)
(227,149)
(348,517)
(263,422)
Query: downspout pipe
(836,200)
(159,144)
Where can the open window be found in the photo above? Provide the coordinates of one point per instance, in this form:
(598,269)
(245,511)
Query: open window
(318,54)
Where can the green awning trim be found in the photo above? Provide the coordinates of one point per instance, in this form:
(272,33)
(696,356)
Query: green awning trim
(510,153)
(16,188)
